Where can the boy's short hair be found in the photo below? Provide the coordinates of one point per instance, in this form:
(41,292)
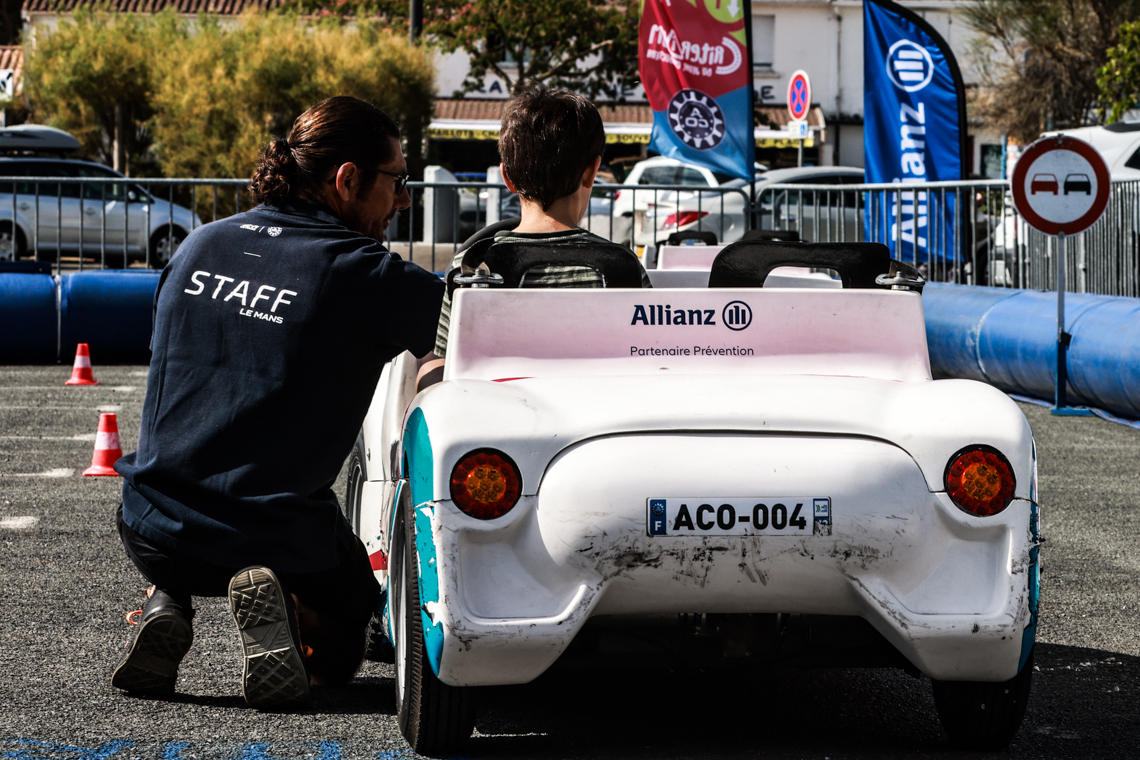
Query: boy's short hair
(547,141)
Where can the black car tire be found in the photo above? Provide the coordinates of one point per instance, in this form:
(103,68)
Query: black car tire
(983,716)
(435,719)
(163,245)
(11,248)
(357,475)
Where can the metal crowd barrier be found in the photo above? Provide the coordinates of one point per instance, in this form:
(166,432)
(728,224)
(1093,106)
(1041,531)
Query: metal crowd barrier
(964,232)
(96,223)
(974,234)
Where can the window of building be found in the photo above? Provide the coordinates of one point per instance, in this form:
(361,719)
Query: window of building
(763,40)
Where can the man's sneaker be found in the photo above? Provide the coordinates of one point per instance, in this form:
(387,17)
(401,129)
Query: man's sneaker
(149,667)
(274,674)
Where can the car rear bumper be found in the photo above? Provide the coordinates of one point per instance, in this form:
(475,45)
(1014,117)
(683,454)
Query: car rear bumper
(951,592)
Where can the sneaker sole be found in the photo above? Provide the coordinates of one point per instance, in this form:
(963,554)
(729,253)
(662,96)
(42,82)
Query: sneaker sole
(150,665)
(274,673)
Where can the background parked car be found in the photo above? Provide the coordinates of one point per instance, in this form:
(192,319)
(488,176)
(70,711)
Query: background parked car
(815,215)
(102,213)
(631,205)
(53,217)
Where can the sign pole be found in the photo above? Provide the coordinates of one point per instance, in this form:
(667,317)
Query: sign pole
(1060,401)
(1061,186)
(800,153)
(1062,377)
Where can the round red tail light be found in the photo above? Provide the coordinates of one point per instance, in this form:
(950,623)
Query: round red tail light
(486,484)
(980,480)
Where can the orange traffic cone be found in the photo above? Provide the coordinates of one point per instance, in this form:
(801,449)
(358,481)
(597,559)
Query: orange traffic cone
(81,370)
(107,447)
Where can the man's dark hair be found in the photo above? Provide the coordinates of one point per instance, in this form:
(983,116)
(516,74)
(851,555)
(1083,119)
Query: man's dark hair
(548,140)
(333,132)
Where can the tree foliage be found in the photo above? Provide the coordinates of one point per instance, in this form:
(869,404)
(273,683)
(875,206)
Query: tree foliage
(206,98)
(75,76)
(1038,60)
(1119,79)
(589,46)
(231,90)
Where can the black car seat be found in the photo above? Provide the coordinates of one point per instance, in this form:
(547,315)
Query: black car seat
(747,264)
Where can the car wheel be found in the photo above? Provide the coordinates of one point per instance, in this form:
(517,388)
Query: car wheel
(163,245)
(983,716)
(12,247)
(435,719)
(357,474)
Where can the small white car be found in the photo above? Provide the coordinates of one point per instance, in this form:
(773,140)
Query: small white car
(728,466)
(1118,144)
(817,215)
(632,206)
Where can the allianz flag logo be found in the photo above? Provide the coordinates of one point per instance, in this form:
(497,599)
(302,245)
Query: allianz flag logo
(909,66)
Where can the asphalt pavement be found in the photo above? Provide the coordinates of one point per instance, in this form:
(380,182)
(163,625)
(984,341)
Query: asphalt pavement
(65,586)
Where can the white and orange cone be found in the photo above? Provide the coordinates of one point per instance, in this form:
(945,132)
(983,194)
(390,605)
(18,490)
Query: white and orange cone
(81,370)
(107,447)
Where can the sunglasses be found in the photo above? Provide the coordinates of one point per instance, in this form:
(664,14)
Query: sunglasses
(401,179)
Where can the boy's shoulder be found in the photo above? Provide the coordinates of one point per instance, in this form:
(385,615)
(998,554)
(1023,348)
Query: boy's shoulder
(577,235)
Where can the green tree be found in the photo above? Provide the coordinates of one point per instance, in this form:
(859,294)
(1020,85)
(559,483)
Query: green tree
(589,46)
(1118,80)
(92,76)
(201,98)
(230,90)
(1038,60)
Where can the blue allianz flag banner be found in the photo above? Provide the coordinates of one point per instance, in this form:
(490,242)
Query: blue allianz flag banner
(914,130)
(695,64)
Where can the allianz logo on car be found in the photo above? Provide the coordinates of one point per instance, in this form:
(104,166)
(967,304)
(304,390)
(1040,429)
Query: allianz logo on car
(736,315)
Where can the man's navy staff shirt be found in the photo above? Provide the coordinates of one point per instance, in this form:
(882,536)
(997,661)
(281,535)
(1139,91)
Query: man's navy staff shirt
(271,328)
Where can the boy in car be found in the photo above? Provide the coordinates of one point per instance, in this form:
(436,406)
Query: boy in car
(551,143)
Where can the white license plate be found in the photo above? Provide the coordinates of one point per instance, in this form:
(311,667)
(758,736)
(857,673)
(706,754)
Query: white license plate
(763,516)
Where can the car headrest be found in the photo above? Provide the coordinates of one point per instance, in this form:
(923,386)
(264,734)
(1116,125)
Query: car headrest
(677,238)
(511,260)
(747,263)
(489,232)
(789,236)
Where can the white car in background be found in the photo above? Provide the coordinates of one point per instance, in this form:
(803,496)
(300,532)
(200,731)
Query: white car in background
(631,205)
(1118,144)
(740,474)
(820,216)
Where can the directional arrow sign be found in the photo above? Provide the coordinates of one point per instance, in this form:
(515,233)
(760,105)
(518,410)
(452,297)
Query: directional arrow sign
(799,96)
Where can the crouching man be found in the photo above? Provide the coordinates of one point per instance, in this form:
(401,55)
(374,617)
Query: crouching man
(270,331)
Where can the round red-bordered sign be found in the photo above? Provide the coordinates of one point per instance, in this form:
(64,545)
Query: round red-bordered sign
(1053,188)
(799,96)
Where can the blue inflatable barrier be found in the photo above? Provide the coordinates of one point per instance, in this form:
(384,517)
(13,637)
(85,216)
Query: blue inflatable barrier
(1008,338)
(111,311)
(28,318)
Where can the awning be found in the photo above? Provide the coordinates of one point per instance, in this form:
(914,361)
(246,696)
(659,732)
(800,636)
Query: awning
(626,124)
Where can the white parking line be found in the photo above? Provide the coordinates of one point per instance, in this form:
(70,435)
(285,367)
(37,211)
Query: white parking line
(105,408)
(18,523)
(63,472)
(113,388)
(81,437)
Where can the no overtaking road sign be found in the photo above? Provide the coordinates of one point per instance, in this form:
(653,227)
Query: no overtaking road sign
(1060,185)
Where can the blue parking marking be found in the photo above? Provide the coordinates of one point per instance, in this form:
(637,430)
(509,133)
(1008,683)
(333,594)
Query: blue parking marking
(30,749)
(36,750)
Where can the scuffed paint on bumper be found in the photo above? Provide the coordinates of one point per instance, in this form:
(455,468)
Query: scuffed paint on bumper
(950,591)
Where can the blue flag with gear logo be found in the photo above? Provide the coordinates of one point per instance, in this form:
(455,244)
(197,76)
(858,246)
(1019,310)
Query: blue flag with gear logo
(695,66)
(914,129)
